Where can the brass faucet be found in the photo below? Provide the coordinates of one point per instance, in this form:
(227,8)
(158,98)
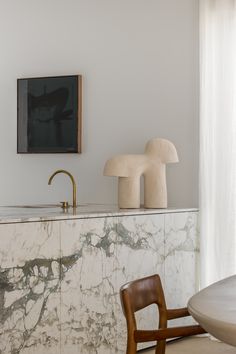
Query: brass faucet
(72,180)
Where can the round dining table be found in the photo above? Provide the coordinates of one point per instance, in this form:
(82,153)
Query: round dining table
(214,308)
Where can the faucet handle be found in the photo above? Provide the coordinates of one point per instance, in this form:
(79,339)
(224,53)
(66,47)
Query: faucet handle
(64,205)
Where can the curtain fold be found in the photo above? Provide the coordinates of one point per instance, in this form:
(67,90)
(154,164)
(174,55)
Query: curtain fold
(217,139)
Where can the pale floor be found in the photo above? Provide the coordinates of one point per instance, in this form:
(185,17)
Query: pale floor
(196,345)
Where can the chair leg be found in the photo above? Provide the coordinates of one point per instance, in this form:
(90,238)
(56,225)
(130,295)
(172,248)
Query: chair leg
(161,347)
(161,344)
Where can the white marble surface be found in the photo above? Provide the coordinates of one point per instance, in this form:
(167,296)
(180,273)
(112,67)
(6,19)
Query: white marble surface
(140,252)
(88,308)
(60,279)
(50,212)
(30,272)
(181,261)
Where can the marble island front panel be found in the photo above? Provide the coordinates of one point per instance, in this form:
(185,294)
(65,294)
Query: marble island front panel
(60,280)
(30,272)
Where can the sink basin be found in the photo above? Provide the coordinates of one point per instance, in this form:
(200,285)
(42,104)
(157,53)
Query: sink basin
(36,206)
(40,206)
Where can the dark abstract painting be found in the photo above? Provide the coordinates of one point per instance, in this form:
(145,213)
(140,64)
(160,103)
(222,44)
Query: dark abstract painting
(49,114)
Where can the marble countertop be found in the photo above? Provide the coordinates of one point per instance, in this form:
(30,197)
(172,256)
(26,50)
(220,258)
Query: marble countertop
(50,212)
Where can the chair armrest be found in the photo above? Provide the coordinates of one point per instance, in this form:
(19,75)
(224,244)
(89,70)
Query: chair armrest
(177,313)
(166,333)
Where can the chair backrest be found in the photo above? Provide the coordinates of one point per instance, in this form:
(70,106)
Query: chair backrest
(138,294)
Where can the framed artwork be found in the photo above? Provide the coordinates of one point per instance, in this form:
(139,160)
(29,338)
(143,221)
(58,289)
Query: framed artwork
(49,114)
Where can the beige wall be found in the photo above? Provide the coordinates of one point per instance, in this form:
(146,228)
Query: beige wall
(139,61)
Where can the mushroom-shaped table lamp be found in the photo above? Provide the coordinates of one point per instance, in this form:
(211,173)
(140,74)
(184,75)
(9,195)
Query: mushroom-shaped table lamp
(152,165)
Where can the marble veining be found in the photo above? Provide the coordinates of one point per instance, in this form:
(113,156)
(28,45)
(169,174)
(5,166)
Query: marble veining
(142,255)
(60,280)
(29,300)
(181,260)
(88,320)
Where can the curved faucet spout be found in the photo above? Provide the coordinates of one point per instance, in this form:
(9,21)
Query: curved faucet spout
(72,180)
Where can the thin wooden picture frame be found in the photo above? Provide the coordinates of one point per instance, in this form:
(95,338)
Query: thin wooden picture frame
(49,114)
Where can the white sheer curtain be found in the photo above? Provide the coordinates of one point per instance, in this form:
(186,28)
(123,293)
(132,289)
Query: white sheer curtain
(217,139)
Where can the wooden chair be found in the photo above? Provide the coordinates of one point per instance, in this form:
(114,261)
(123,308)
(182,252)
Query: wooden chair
(137,295)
